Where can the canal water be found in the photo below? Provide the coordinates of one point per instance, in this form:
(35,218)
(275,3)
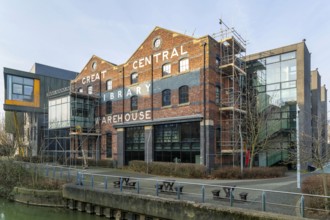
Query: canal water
(18,211)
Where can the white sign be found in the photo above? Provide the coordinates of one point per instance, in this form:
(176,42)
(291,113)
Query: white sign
(159,57)
(120,118)
(92,78)
(137,90)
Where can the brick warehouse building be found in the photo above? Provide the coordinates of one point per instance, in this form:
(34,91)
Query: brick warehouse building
(176,99)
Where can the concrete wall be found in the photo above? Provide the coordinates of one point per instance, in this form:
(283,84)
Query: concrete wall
(160,207)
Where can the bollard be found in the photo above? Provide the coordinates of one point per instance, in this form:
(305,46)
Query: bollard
(138,187)
(203,194)
(178,191)
(54,172)
(106,182)
(263,201)
(157,188)
(92,181)
(121,184)
(302,206)
(231,197)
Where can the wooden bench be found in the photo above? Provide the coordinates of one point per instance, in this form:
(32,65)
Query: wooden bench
(243,196)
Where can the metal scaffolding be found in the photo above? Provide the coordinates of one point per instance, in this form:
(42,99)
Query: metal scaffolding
(233,96)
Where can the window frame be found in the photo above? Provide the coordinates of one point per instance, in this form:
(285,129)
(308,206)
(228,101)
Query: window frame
(134,100)
(108,85)
(183,65)
(108,107)
(166,93)
(136,79)
(90,90)
(80,90)
(166,69)
(217,95)
(184,94)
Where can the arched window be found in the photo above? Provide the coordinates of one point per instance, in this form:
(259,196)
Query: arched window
(166,70)
(183,94)
(217,95)
(80,90)
(166,97)
(184,65)
(134,78)
(89,90)
(109,107)
(134,103)
(109,84)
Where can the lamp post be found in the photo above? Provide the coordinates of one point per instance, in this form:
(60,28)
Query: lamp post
(298,147)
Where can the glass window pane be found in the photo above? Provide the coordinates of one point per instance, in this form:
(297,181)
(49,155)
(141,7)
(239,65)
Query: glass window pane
(28,81)
(273,87)
(166,69)
(109,84)
(290,84)
(288,70)
(273,73)
(184,65)
(288,56)
(28,90)
(134,78)
(17,89)
(17,79)
(289,95)
(272,59)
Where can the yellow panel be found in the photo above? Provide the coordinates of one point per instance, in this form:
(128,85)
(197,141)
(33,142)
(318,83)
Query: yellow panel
(36,97)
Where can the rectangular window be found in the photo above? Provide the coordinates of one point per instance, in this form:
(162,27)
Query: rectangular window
(19,88)
(184,65)
(109,145)
(109,84)
(167,69)
(90,90)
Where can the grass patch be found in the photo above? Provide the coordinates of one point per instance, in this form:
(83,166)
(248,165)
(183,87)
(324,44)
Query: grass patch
(254,173)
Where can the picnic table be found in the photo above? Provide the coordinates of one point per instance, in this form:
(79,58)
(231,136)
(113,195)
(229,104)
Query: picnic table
(126,183)
(228,190)
(168,185)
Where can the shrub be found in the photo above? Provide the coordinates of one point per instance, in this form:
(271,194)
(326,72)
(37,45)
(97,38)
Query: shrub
(314,185)
(254,173)
(185,170)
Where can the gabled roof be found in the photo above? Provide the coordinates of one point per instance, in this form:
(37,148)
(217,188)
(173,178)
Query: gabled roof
(157,28)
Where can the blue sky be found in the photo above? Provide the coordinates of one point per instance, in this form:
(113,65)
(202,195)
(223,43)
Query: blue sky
(66,33)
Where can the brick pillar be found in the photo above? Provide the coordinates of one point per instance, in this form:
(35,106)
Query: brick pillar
(120,146)
(207,144)
(148,144)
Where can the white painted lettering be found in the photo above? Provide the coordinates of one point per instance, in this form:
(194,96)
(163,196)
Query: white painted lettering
(134,116)
(119,94)
(109,119)
(157,55)
(129,92)
(134,64)
(141,117)
(97,77)
(88,79)
(165,54)
(112,95)
(148,87)
(183,52)
(127,117)
(174,53)
(148,114)
(104,121)
(138,90)
(141,63)
(120,118)
(83,80)
(148,60)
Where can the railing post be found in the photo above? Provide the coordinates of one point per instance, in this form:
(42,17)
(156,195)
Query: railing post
(178,191)
(106,182)
(263,201)
(78,178)
(302,206)
(203,194)
(54,169)
(82,179)
(231,197)
(121,184)
(138,187)
(92,181)
(61,172)
(157,188)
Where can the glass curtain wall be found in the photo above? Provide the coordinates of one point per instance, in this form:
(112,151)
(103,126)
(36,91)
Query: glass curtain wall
(275,82)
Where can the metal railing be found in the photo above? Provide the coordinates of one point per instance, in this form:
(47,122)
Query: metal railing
(288,203)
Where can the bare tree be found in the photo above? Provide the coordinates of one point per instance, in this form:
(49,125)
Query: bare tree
(263,120)
(7,143)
